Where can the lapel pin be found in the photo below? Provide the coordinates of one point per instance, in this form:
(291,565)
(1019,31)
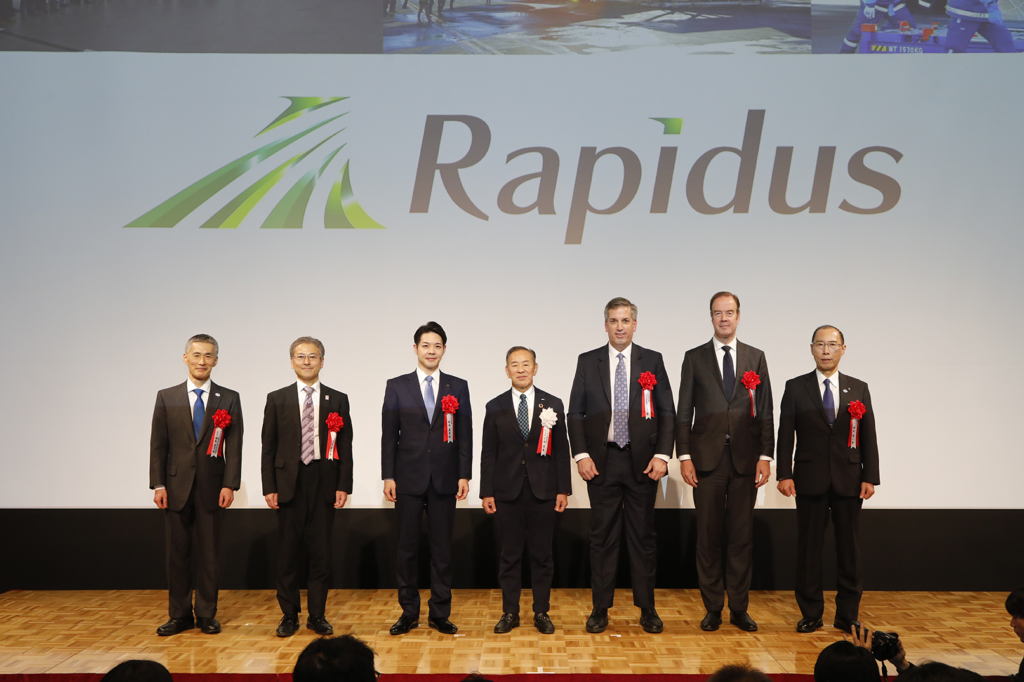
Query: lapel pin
(846,390)
(327,397)
(217,394)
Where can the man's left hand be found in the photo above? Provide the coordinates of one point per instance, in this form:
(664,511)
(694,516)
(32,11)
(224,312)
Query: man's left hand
(340,498)
(561,502)
(227,496)
(656,469)
(463,489)
(866,491)
(764,472)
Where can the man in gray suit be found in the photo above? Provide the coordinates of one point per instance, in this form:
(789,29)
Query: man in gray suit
(725,439)
(195,465)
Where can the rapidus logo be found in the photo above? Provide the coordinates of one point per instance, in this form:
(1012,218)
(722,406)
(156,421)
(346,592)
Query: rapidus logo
(580,206)
(315,146)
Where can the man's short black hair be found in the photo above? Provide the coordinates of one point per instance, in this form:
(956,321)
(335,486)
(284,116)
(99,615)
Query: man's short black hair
(846,662)
(1015,603)
(428,328)
(738,673)
(939,672)
(138,671)
(335,659)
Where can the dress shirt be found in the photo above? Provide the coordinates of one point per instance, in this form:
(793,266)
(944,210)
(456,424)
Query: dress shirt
(833,383)
(529,402)
(192,397)
(299,386)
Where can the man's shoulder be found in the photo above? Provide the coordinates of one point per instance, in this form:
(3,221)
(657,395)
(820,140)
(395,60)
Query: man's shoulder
(707,345)
(223,390)
(748,348)
(455,381)
(494,404)
(177,388)
(543,397)
(327,391)
(802,379)
(594,354)
(282,392)
(646,353)
(852,382)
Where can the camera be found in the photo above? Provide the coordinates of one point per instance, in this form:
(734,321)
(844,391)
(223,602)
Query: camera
(884,645)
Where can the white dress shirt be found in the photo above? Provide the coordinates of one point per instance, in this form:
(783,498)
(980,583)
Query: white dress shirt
(833,384)
(192,397)
(301,388)
(529,402)
(435,380)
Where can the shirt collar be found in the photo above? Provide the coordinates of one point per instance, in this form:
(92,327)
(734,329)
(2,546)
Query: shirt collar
(614,354)
(833,380)
(301,386)
(205,387)
(719,344)
(422,376)
(528,393)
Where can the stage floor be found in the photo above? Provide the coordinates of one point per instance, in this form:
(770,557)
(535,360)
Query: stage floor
(90,631)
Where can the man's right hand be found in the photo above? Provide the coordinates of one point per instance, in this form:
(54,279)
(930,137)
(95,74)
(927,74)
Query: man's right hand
(787,487)
(586,468)
(389,491)
(489,505)
(689,473)
(272,500)
(160,497)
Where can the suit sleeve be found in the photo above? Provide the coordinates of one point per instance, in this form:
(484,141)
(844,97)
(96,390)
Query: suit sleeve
(159,445)
(684,413)
(345,449)
(765,410)
(488,454)
(578,410)
(560,450)
(868,442)
(233,451)
(269,454)
(787,431)
(666,410)
(389,432)
(464,435)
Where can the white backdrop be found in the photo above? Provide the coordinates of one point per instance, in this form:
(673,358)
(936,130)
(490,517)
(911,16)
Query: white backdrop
(95,314)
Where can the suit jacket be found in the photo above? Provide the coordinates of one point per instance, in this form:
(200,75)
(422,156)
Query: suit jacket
(590,409)
(282,443)
(705,416)
(412,447)
(822,453)
(505,450)
(176,459)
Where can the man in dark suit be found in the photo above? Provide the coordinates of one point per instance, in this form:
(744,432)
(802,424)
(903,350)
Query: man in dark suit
(525,478)
(620,428)
(725,440)
(426,452)
(307,474)
(836,468)
(193,482)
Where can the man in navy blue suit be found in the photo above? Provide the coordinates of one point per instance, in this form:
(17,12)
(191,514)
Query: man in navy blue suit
(426,451)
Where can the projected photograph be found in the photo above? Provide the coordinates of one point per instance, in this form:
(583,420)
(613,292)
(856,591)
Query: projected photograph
(917,26)
(225,26)
(596,26)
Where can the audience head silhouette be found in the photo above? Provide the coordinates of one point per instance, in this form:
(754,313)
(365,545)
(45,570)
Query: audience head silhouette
(335,659)
(845,662)
(138,671)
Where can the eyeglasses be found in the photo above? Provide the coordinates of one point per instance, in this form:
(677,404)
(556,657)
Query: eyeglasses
(831,345)
(302,358)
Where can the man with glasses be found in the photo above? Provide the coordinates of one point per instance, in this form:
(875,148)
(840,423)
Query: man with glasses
(307,474)
(836,469)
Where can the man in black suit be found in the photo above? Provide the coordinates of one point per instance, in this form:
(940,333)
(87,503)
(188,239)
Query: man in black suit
(194,482)
(307,474)
(525,478)
(620,428)
(836,468)
(426,452)
(725,440)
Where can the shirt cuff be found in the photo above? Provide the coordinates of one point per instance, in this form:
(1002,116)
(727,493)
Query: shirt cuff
(582,455)
(160,487)
(389,479)
(764,458)
(682,457)
(663,458)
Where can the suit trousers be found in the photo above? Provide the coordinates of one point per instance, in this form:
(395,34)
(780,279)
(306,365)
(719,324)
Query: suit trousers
(527,520)
(812,513)
(305,519)
(621,494)
(724,499)
(179,526)
(440,523)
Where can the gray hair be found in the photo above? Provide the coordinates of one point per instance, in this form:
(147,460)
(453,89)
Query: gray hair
(305,339)
(203,338)
(619,302)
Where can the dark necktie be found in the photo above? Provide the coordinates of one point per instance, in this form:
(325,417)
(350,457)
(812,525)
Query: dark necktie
(524,416)
(197,412)
(728,373)
(829,404)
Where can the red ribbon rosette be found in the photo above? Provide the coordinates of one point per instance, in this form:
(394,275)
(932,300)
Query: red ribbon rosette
(751,381)
(648,382)
(221,420)
(334,424)
(449,404)
(857,412)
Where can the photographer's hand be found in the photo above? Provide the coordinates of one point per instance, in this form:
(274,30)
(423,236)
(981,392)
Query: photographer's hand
(861,636)
(900,659)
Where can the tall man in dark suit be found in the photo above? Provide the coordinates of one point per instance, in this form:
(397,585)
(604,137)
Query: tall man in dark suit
(620,428)
(836,468)
(307,474)
(194,483)
(725,440)
(525,478)
(426,452)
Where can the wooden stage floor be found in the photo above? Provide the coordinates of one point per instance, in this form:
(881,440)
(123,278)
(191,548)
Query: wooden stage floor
(90,631)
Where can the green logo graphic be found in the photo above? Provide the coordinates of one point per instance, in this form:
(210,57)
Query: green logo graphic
(342,209)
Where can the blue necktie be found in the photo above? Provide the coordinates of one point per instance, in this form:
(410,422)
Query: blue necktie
(197,412)
(428,398)
(524,416)
(728,373)
(829,403)
(620,413)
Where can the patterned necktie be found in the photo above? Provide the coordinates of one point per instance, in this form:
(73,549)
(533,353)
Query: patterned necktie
(308,438)
(428,399)
(728,373)
(197,412)
(524,416)
(620,412)
(829,403)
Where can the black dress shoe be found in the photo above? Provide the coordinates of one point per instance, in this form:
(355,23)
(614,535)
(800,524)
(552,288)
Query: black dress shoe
(598,621)
(288,627)
(808,625)
(843,625)
(208,626)
(404,624)
(650,622)
(711,621)
(507,622)
(319,625)
(174,626)
(543,624)
(743,621)
(443,625)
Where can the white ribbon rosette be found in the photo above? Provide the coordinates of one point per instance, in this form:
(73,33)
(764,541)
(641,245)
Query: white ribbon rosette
(548,419)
